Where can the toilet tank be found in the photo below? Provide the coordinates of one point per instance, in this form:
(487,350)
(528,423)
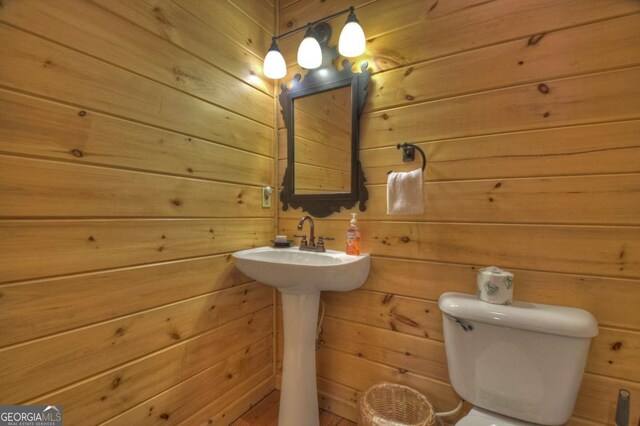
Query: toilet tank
(524,360)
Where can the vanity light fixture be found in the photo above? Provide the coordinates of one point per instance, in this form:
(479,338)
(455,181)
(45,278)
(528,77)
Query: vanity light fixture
(309,52)
(352,41)
(274,65)
(351,44)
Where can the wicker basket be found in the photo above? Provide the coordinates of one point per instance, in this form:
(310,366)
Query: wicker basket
(388,404)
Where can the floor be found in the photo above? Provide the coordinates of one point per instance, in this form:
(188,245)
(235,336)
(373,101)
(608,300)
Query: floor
(265,413)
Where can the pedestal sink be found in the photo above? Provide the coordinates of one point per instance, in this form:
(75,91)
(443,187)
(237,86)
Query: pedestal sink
(300,276)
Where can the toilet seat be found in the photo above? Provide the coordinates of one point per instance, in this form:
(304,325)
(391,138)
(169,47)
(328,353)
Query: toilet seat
(479,417)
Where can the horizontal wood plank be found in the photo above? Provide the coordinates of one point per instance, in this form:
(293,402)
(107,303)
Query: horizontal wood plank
(50,70)
(176,25)
(587,250)
(337,398)
(124,388)
(615,353)
(598,397)
(415,317)
(181,401)
(602,97)
(589,149)
(260,11)
(293,13)
(418,355)
(38,308)
(54,189)
(75,355)
(428,280)
(486,24)
(237,401)
(87,245)
(574,51)
(608,200)
(36,127)
(72,23)
(223,16)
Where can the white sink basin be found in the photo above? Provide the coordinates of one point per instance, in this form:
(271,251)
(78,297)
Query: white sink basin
(300,276)
(295,271)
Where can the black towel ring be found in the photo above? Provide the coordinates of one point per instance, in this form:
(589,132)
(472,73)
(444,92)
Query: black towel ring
(409,154)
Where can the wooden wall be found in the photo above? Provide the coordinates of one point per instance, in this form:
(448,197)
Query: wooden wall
(529,112)
(134,139)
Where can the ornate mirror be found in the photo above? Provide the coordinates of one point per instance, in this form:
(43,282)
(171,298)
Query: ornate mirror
(321,114)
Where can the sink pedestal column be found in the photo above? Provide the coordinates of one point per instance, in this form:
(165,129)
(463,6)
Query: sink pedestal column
(299,396)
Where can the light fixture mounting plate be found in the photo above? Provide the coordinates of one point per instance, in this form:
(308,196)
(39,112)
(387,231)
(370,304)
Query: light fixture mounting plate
(323,33)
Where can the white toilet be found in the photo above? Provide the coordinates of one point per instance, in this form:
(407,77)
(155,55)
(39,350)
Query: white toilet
(518,365)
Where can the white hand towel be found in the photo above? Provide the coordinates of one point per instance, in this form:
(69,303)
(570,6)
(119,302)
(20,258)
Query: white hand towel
(405,193)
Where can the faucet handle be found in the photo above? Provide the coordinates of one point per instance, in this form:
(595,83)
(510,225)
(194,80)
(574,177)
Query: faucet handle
(321,240)
(303,242)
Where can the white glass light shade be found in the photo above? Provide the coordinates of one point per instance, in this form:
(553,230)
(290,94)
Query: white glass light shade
(309,53)
(274,65)
(352,41)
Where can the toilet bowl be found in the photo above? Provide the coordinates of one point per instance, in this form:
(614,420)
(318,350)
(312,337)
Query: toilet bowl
(518,364)
(480,417)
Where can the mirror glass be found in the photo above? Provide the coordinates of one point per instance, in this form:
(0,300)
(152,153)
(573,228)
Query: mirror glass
(322,123)
(321,113)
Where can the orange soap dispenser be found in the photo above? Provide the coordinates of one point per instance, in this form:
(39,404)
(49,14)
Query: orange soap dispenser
(353,237)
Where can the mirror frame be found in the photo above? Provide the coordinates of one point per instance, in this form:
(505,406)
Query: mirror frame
(326,77)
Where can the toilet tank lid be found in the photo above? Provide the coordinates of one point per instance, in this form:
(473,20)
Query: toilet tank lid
(536,317)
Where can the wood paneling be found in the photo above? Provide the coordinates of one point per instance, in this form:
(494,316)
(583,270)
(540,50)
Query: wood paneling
(500,23)
(119,395)
(566,52)
(87,245)
(68,357)
(609,96)
(529,119)
(179,402)
(592,250)
(235,402)
(608,199)
(419,355)
(54,189)
(260,11)
(134,139)
(34,127)
(72,23)
(106,295)
(171,22)
(409,278)
(224,17)
(588,149)
(41,67)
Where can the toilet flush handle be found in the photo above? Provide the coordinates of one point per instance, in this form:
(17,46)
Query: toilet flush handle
(466,325)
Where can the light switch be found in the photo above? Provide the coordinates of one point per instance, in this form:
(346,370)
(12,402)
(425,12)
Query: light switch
(267,191)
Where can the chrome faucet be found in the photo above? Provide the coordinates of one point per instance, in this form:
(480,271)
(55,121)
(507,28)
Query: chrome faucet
(310,245)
